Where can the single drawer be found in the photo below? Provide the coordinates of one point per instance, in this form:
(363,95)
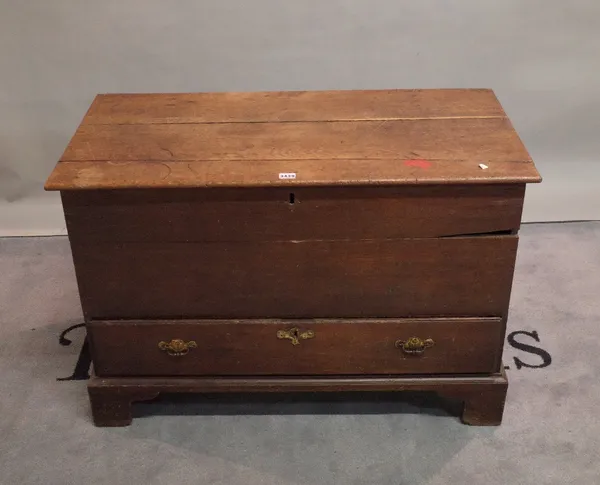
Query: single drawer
(296,347)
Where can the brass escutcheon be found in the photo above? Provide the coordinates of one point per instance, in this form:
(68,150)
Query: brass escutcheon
(294,334)
(414,345)
(177,347)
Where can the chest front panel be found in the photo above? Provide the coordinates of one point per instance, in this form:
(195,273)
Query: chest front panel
(306,252)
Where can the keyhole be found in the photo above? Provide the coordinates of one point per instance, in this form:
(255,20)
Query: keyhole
(292,198)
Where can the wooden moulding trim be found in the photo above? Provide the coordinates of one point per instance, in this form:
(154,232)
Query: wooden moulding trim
(278,384)
(244,173)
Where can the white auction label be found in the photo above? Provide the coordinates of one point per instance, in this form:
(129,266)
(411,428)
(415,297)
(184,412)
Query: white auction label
(287,175)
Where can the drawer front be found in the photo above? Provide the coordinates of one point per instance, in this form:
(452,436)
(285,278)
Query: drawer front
(291,213)
(297,279)
(296,347)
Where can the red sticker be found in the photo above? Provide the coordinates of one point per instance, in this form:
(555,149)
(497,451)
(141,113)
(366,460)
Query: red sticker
(418,162)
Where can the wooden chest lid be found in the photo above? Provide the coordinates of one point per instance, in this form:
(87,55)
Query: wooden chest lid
(392,137)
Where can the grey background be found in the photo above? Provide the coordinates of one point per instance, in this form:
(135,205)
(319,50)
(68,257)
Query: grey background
(541,56)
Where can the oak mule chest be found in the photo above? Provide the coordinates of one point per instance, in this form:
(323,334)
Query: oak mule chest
(295,241)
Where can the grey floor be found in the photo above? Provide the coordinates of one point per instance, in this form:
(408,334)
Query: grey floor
(550,434)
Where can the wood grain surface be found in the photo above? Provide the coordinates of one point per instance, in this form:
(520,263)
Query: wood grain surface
(461,276)
(324,138)
(277,214)
(471,139)
(292,106)
(338,347)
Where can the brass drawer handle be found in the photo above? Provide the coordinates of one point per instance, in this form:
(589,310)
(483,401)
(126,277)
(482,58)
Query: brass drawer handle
(177,347)
(294,334)
(414,345)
